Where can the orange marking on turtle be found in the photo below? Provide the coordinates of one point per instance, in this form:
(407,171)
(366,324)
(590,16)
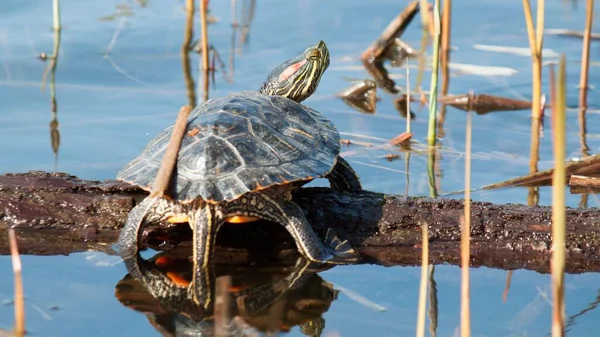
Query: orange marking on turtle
(193,132)
(162,261)
(289,71)
(238,219)
(178,219)
(235,289)
(178,280)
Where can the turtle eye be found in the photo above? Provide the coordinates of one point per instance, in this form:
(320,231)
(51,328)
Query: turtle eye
(314,55)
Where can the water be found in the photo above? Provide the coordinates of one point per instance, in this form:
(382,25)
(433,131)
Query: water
(119,82)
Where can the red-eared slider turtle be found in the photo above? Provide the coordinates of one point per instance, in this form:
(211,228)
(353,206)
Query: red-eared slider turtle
(241,158)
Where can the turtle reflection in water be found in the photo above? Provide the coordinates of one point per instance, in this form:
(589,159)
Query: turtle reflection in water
(259,297)
(241,159)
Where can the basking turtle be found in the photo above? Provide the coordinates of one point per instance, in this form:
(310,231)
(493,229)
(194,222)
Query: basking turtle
(240,160)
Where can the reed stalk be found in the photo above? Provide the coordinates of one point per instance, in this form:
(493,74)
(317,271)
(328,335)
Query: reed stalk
(558,203)
(185,53)
(19,298)
(204,32)
(408,119)
(465,246)
(445,56)
(583,80)
(536,38)
(431,135)
(421,313)
(423,8)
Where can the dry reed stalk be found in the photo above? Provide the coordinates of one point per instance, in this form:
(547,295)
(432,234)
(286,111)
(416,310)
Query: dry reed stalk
(445,52)
(221,310)
(465,311)
(507,285)
(558,203)
(585,56)
(204,46)
(163,177)
(185,54)
(408,118)
(583,80)
(444,60)
(421,313)
(19,298)
(425,17)
(536,37)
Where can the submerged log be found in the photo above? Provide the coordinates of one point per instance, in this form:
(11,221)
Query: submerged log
(55,213)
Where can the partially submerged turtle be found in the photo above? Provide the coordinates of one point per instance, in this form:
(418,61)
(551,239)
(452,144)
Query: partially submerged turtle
(240,160)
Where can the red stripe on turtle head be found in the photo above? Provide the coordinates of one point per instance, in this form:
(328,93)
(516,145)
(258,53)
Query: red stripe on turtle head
(291,70)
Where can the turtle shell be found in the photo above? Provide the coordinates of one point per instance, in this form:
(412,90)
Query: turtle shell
(239,143)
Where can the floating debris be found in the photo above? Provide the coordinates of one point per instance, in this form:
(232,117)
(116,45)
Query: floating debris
(570,33)
(401,139)
(483,104)
(584,184)
(400,104)
(587,166)
(361,96)
(398,52)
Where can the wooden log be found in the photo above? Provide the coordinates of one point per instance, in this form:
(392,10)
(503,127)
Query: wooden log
(55,213)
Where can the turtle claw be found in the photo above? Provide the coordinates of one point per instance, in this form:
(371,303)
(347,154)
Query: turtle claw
(343,253)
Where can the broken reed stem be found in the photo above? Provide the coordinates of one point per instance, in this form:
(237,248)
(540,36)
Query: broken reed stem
(204,33)
(421,313)
(465,311)
(19,298)
(431,135)
(558,203)
(163,177)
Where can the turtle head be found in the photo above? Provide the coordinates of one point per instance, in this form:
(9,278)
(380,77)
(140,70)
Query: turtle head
(299,77)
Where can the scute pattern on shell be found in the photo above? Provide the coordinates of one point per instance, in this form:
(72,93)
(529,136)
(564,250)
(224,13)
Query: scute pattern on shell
(239,143)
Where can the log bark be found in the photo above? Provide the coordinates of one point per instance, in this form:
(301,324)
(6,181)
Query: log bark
(55,213)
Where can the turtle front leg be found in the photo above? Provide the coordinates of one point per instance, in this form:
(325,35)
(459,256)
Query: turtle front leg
(205,222)
(343,177)
(273,207)
(128,242)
